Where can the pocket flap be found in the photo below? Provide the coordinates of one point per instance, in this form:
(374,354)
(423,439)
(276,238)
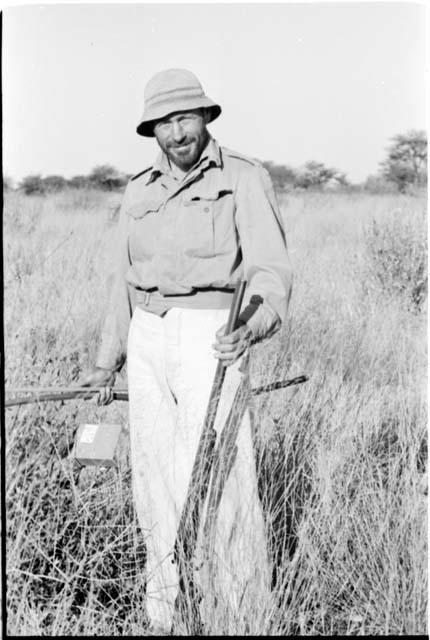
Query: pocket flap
(140,209)
(212,195)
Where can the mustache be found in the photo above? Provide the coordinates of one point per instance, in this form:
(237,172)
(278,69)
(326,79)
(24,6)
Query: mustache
(176,145)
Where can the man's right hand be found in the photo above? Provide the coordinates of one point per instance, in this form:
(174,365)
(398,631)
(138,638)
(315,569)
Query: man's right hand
(100,378)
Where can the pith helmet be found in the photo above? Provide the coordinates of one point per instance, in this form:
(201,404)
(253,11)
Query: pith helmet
(169,91)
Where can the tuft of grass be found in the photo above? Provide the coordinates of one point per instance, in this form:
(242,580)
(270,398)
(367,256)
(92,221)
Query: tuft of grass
(397,249)
(341,459)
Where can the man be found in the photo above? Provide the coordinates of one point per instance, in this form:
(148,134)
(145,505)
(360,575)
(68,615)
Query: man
(191,225)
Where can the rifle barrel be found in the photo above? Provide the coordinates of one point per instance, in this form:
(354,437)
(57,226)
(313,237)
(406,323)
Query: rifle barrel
(53,394)
(280,384)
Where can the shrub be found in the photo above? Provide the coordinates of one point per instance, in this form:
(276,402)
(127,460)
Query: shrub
(315,175)
(32,185)
(106,177)
(406,163)
(281,175)
(78,182)
(378,184)
(54,183)
(7,183)
(398,257)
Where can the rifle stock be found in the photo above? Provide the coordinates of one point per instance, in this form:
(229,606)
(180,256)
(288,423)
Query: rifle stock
(223,461)
(187,533)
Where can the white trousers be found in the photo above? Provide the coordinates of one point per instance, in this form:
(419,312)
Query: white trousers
(170,372)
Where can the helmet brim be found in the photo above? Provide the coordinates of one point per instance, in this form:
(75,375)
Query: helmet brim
(146,126)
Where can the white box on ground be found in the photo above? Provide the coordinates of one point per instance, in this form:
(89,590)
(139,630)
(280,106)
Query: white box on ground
(97,444)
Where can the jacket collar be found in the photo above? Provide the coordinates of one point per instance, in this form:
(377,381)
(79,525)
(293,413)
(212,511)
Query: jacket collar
(210,156)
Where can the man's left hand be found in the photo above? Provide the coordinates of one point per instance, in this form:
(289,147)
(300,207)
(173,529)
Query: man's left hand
(229,348)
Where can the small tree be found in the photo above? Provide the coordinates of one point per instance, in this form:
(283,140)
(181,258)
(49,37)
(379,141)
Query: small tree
(282,175)
(378,184)
(32,185)
(106,177)
(315,175)
(7,183)
(78,182)
(54,183)
(406,163)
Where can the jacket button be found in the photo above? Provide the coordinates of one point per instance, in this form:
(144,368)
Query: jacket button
(207,209)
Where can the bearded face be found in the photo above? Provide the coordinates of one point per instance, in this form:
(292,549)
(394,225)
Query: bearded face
(183,136)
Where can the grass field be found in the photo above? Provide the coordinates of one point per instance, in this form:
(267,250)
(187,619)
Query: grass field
(342,459)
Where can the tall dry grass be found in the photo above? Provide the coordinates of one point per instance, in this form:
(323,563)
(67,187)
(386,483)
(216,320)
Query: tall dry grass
(342,459)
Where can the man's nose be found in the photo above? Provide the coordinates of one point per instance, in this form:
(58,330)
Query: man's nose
(178,132)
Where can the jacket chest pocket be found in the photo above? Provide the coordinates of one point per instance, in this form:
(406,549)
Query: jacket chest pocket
(202,215)
(141,209)
(144,228)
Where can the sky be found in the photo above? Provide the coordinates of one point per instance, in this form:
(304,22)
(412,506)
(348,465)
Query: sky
(296,82)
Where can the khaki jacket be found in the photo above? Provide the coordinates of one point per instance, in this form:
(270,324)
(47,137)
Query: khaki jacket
(221,222)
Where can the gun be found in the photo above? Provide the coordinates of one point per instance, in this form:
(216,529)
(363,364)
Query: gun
(186,604)
(224,459)
(52,394)
(56,394)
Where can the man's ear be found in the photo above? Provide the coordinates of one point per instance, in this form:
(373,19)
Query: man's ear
(206,115)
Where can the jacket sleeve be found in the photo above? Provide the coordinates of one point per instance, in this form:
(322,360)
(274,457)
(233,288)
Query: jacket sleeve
(113,345)
(267,267)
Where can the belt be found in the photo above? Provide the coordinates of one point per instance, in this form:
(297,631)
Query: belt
(155,302)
